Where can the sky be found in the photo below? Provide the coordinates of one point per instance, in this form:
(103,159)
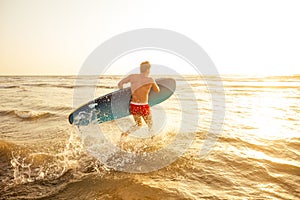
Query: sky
(54,37)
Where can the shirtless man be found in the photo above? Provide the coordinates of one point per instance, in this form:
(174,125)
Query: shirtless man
(141,85)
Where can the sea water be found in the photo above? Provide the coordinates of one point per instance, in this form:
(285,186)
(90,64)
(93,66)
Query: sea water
(256,154)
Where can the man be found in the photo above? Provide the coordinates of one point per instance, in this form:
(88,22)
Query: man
(141,85)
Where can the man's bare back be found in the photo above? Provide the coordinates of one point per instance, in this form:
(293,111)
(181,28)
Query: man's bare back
(140,95)
(140,87)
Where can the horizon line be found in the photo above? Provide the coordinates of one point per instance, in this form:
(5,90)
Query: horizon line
(225,74)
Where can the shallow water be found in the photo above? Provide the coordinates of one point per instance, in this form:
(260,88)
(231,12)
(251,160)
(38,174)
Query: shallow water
(257,155)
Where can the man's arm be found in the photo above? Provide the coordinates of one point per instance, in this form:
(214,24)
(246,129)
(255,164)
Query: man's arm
(155,86)
(123,81)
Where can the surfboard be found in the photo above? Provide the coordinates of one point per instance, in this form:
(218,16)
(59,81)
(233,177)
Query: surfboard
(115,105)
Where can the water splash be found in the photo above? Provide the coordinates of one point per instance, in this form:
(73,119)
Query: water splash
(32,165)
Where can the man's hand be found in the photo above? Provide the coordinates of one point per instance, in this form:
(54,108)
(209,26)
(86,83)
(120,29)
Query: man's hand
(155,87)
(120,85)
(124,81)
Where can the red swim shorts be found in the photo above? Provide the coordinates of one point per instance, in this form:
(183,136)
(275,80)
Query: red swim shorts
(139,109)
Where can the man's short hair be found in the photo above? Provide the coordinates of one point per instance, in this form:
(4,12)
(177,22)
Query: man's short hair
(144,66)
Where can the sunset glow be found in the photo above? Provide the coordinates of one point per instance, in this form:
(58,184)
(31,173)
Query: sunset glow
(55,37)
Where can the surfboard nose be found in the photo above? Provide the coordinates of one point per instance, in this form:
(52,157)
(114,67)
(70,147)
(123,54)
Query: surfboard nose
(71,118)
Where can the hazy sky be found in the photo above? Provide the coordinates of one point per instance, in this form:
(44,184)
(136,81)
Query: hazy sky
(241,37)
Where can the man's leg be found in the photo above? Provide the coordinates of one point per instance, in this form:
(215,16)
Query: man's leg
(148,120)
(138,120)
(138,123)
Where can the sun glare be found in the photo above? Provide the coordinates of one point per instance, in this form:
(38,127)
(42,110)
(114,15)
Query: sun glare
(269,115)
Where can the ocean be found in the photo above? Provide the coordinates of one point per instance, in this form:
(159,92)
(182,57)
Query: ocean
(255,154)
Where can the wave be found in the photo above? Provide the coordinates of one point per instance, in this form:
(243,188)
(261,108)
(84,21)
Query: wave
(5,166)
(5,151)
(28,170)
(27,115)
(263,86)
(106,87)
(61,86)
(8,86)
(61,108)
(115,186)
(49,85)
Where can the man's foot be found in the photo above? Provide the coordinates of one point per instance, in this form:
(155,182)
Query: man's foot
(151,133)
(125,134)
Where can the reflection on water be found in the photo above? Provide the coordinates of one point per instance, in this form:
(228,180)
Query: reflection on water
(256,157)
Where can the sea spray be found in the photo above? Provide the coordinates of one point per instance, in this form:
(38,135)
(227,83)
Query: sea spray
(30,165)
